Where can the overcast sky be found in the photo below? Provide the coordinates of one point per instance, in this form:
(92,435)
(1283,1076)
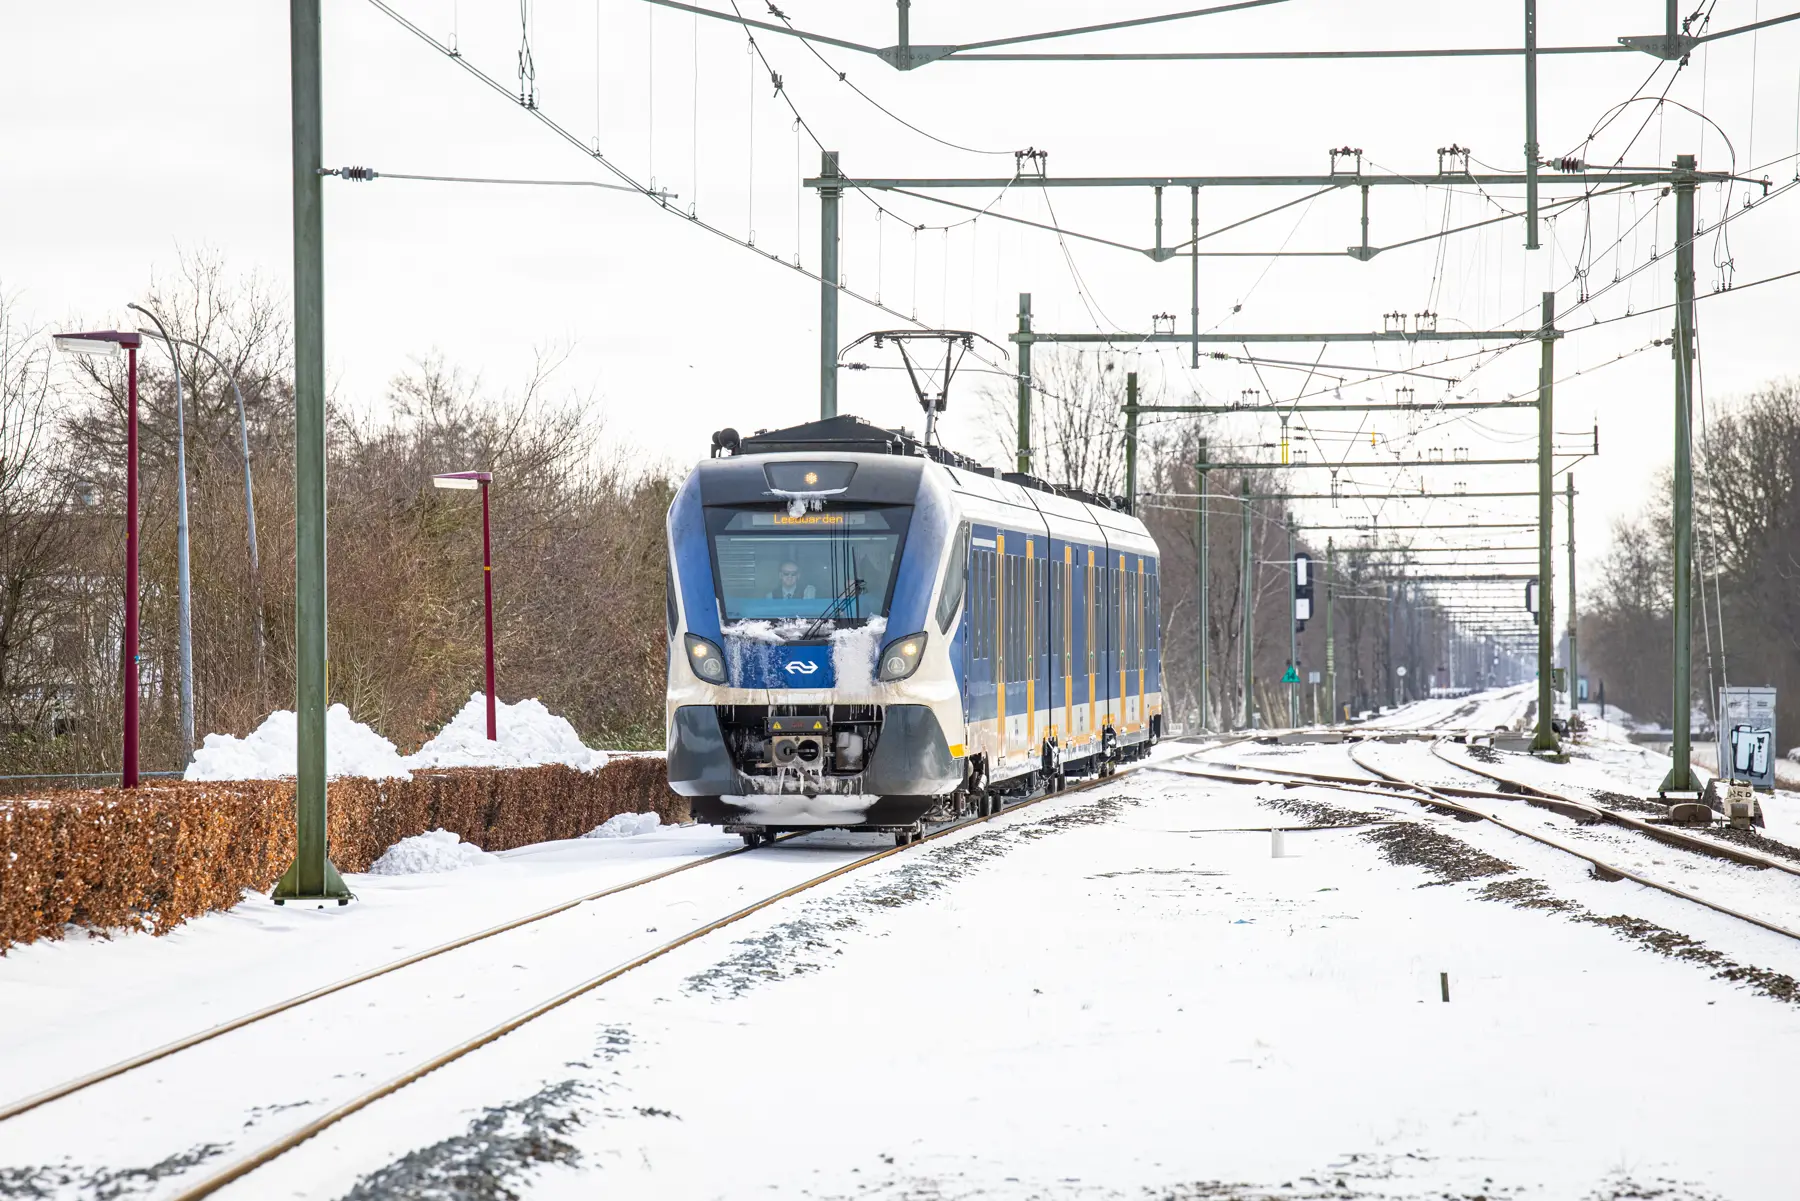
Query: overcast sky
(135,133)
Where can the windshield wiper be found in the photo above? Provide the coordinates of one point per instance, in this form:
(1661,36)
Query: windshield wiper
(851,591)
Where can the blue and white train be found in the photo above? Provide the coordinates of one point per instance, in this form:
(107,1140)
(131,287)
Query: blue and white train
(869,633)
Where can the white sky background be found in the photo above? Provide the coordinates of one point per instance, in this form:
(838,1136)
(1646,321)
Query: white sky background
(136,132)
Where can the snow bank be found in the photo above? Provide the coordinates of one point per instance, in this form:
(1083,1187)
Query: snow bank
(271,751)
(625,825)
(530,736)
(433,851)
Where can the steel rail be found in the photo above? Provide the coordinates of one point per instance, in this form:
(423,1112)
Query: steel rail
(64,1089)
(1665,834)
(284,1144)
(1600,865)
(1439,797)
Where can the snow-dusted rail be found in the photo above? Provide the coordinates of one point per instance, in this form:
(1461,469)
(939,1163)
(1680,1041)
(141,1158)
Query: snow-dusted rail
(1448,798)
(1444,797)
(1438,798)
(281,1146)
(57,1092)
(1689,840)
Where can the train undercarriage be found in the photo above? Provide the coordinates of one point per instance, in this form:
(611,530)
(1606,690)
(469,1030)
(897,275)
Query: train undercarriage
(802,768)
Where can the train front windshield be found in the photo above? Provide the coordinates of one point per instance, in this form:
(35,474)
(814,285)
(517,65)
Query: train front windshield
(772,565)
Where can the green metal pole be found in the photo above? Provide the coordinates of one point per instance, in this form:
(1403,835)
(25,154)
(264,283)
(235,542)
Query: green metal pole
(1249,622)
(1194,274)
(1024,385)
(1681,775)
(311,877)
(1131,440)
(1330,632)
(1293,632)
(1205,621)
(1531,138)
(828,287)
(1574,665)
(1545,737)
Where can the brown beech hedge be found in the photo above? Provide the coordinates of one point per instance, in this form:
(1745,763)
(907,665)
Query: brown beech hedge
(156,856)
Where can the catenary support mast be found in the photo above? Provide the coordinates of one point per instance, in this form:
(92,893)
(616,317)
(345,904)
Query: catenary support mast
(311,877)
(1024,457)
(1204,621)
(1681,775)
(1574,665)
(1545,737)
(1249,635)
(829,279)
(1330,631)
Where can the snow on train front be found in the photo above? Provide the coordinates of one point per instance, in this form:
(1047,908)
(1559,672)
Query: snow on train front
(808,685)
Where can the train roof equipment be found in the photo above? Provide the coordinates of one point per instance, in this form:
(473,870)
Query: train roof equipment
(849,434)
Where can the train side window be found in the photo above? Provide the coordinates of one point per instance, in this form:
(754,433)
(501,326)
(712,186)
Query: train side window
(984,601)
(990,598)
(1015,624)
(956,574)
(1155,613)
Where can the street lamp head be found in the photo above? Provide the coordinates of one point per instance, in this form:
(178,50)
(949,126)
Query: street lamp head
(462,479)
(104,342)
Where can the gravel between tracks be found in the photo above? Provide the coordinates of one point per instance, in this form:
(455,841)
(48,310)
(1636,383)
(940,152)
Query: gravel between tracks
(104,1184)
(801,944)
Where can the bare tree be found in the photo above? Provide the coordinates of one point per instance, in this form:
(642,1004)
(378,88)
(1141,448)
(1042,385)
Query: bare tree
(1077,417)
(36,530)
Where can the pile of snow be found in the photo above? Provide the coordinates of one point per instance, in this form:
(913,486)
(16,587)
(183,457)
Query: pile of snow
(272,751)
(625,825)
(1794,754)
(433,851)
(530,736)
(853,651)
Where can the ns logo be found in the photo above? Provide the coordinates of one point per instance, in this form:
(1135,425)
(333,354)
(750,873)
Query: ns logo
(801,667)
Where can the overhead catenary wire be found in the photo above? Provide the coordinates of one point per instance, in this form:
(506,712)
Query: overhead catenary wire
(844,78)
(625,177)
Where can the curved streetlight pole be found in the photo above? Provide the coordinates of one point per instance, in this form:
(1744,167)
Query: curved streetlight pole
(184,587)
(249,518)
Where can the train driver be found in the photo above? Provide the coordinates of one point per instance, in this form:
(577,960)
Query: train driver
(790,587)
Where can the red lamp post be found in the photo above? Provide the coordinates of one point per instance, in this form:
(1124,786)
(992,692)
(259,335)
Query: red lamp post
(471,480)
(107,343)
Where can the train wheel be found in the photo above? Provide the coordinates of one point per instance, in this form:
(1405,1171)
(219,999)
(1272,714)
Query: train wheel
(751,838)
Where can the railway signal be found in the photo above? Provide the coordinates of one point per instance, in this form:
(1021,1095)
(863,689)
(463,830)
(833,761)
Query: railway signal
(1303,590)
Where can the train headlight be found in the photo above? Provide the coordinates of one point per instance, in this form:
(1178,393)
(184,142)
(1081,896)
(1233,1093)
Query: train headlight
(900,658)
(706,659)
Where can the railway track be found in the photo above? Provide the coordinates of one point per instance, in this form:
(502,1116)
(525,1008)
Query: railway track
(113,1071)
(1452,799)
(294,1138)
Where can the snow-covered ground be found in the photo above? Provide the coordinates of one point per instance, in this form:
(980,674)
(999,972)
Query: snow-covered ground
(1112,994)
(1498,707)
